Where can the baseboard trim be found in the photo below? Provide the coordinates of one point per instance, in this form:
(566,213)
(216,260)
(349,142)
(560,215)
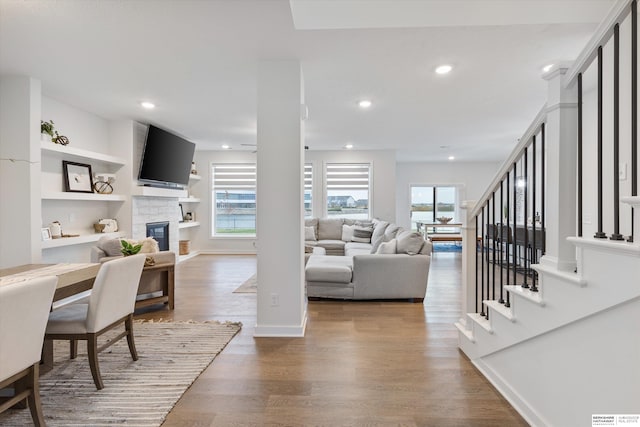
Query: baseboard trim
(530,415)
(266,331)
(228,252)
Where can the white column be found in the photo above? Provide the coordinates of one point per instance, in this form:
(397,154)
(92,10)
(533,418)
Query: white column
(560,168)
(20,188)
(282,302)
(469,260)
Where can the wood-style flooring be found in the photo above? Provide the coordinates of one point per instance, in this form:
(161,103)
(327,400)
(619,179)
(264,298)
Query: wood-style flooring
(360,363)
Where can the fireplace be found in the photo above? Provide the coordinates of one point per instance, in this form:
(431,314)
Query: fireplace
(160,232)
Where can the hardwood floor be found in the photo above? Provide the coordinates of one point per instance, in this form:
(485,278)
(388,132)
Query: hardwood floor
(360,363)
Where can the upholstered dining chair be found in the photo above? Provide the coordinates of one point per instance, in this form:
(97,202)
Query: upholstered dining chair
(24,308)
(111,304)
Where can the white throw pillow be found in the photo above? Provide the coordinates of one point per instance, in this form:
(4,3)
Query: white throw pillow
(310,234)
(347,232)
(387,247)
(149,246)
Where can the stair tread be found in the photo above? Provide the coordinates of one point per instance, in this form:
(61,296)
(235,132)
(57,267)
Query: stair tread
(481,321)
(466,332)
(569,276)
(534,297)
(501,309)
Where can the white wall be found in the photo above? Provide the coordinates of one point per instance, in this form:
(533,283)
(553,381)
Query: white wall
(471,179)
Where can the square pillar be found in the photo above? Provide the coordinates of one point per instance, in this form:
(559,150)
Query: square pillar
(281,300)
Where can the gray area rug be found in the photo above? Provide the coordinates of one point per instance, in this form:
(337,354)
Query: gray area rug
(141,393)
(250,286)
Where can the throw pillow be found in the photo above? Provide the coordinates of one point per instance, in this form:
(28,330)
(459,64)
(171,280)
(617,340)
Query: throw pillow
(110,246)
(347,232)
(149,246)
(391,231)
(310,233)
(378,234)
(362,234)
(387,247)
(409,243)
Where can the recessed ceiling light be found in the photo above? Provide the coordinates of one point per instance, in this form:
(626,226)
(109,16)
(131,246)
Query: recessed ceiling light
(452,158)
(546,68)
(365,103)
(348,146)
(225,146)
(444,69)
(148,105)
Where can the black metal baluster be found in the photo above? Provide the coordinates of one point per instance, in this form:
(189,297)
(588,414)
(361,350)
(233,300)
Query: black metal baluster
(482,270)
(493,244)
(526,217)
(580,155)
(543,161)
(476,260)
(501,300)
(600,234)
(509,239)
(486,314)
(634,109)
(534,251)
(616,134)
(515,223)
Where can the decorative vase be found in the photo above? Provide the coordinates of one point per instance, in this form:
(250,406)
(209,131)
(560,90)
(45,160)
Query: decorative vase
(45,137)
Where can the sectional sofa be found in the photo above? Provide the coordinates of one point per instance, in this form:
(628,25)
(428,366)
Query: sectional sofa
(366,260)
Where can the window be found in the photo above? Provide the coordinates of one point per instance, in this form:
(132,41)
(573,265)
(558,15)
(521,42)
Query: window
(348,190)
(425,198)
(234,199)
(308,190)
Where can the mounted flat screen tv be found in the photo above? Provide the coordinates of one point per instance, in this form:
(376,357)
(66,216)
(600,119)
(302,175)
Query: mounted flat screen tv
(166,159)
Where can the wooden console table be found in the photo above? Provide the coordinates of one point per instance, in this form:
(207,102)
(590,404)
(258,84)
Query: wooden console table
(157,278)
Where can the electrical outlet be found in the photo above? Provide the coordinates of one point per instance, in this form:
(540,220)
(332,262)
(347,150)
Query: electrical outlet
(275,300)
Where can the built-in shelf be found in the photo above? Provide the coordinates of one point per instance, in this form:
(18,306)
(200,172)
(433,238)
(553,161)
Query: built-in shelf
(188,224)
(145,191)
(70,241)
(193,177)
(189,200)
(72,153)
(61,195)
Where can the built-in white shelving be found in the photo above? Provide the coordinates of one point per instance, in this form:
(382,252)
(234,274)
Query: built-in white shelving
(188,224)
(61,195)
(189,200)
(69,241)
(193,177)
(72,153)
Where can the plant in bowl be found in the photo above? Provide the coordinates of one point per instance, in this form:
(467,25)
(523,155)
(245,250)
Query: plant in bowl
(444,219)
(47,128)
(129,249)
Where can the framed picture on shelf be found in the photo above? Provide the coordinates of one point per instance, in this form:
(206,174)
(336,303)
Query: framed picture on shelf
(46,234)
(181,213)
(77,177)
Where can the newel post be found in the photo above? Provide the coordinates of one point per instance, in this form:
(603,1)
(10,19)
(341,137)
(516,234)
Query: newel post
(561,154)
(469,259)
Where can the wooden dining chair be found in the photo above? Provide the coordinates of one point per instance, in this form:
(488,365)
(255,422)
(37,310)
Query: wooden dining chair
(111,304)
(24,308)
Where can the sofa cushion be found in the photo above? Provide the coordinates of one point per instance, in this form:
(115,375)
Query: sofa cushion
(347,232)
(362,234)
(337,269)
(355,248)
(409,242)
(377,236)
(333,247)
(391,231)
(388,247)
(312,222)
(310,233)
(330,229)
(110,246)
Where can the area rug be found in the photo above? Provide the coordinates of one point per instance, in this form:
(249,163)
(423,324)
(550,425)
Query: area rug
(171,356)
(250,286)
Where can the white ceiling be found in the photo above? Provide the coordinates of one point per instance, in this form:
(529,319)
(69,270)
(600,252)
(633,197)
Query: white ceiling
(196,61)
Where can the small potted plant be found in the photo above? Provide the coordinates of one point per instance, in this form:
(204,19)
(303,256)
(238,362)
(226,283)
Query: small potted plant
(129,249)
(47,130)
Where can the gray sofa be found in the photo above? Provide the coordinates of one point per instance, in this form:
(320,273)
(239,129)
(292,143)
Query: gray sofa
(393,264)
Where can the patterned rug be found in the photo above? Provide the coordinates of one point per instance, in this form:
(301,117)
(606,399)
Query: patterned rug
(141,393)
(447,247)
(250,286)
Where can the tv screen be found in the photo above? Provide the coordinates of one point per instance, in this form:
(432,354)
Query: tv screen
(166,159)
